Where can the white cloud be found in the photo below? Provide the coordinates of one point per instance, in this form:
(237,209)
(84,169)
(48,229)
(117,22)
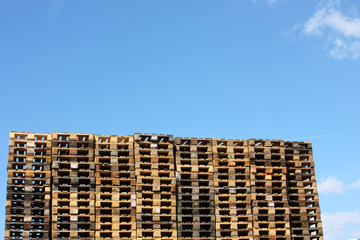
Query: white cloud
(333,20)
(354,184)
(333,185)
(341,225)
(343,49)
(340,30)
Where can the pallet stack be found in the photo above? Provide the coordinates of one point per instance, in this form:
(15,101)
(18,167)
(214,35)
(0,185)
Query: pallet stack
(232,190)
(302,192)
(73,196)
(115,187)
(196,211)
(150,186)
(28,186)
(271,213)
(155,187)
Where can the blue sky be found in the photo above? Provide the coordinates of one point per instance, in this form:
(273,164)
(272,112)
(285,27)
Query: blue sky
(275,69)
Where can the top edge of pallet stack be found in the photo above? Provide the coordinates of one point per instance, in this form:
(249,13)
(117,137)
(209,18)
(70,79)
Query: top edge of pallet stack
(274,140)
(24,133)
(73,135)
(97,136)
(152,137)
(24,136)
(114,139)
(171,137)
(193,138)
(243,140)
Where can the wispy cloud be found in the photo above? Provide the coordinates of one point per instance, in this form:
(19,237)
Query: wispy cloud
(269,1)
(54,7)
(319,136)
(341,225)
(339,29)
(331,18)
(345,49)
(354,185)
(333,185)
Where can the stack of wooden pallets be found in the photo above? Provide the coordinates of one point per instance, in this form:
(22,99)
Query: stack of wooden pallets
(28,186)
(151,186)
(115,187)
(73,186)
(196,212)
(155,187)
(302,192)
(270,207)
(232,188)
